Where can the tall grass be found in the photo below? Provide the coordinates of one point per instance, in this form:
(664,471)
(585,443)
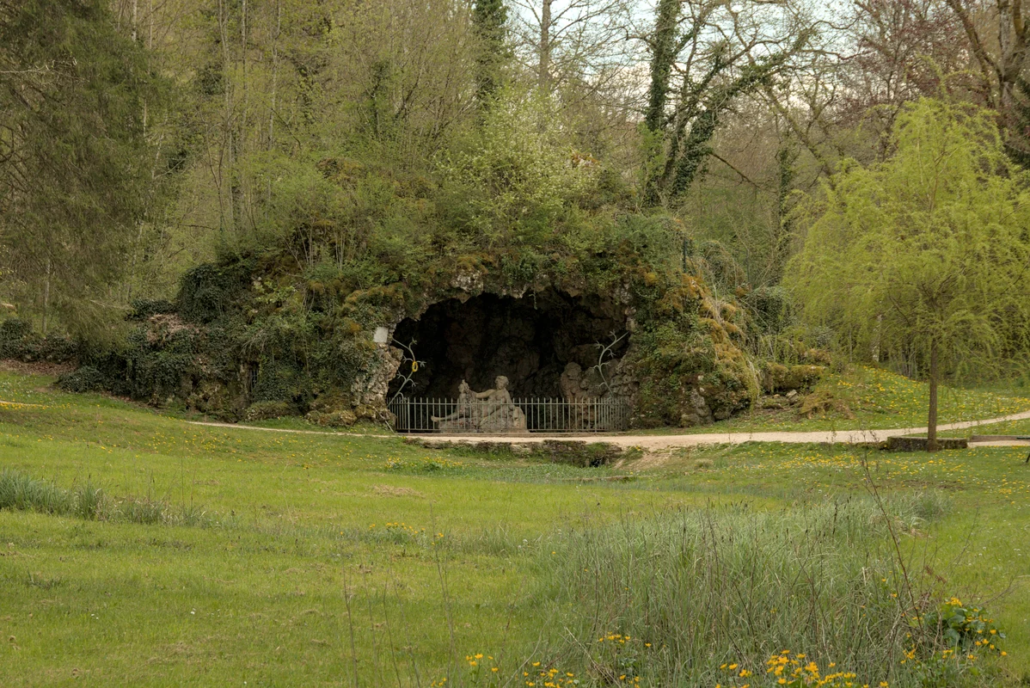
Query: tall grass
(20,492)
(676,600)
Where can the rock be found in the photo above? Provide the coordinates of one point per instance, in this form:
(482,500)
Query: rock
(778,378)
(909,444)
(266,410)
(580,453)
(792,393)
(521,450)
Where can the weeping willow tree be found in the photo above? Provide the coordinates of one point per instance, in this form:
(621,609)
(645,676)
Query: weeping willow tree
(926,252)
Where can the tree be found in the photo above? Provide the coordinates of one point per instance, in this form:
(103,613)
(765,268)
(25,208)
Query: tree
(1000,56)
(717,53)
(489,19)
(76,171)
(573,39)
(927,251)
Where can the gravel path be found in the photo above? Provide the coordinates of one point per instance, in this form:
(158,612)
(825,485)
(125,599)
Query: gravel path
(653,442)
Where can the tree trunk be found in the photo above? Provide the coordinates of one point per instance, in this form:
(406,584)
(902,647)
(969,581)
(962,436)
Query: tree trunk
(544,68)
(46,297)
(931,425)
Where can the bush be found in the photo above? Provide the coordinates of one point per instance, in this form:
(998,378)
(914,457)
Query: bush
(84,379)
(18,341)
(782,378)
(142,309)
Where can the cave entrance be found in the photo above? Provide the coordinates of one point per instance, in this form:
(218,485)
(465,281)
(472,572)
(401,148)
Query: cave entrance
(529,340)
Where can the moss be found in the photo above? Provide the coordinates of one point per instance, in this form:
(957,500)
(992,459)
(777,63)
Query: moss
(267,410)
(264,328)
(783,378)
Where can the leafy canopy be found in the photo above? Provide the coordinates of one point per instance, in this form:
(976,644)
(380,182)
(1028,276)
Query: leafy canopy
(928,251)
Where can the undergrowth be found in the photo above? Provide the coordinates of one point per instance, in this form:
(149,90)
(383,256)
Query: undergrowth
(815,596)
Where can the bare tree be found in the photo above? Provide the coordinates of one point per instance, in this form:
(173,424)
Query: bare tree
(998,38)
(572,40)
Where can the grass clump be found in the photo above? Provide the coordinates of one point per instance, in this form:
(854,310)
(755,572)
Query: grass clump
(20,492)
(23,493)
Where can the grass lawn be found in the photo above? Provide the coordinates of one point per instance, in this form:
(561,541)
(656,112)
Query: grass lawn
(342,559)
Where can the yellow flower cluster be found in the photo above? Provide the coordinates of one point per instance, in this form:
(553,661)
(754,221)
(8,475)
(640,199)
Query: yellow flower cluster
(796,672)
(402,528)
(549,678)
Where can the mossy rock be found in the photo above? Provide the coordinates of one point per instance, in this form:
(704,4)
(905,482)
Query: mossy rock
(585,455)
(781,378)
(267,410)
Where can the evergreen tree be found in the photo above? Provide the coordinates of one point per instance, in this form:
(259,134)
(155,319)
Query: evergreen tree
(75,168)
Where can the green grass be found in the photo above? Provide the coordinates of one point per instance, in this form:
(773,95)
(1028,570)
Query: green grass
(296,542)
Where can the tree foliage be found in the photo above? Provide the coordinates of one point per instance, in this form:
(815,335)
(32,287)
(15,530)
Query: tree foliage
(76,171)
(927,252)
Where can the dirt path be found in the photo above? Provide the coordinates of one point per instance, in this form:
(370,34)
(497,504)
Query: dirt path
(653,442)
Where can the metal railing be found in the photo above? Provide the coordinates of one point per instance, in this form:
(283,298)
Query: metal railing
(525,415)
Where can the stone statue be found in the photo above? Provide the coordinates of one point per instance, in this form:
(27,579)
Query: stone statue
(462,418)
(499,412)
(489,411)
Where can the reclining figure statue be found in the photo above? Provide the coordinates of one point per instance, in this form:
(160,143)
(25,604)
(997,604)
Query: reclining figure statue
(489,411)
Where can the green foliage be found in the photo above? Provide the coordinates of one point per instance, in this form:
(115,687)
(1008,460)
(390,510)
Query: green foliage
(207,292)
(516,175)
(267,410)
(76,177)
(20,342)
(928,247)
(83,379)
(143,309)
(927,252)
(964,628)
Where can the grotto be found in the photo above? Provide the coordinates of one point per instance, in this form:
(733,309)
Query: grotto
(530,340)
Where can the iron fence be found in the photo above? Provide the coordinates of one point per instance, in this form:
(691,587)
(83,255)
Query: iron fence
(525,415)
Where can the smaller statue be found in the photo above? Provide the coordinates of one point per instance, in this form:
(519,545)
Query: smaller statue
(461,419)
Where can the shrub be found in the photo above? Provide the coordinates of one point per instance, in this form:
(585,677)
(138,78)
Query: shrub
(18,341)
(84,379)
